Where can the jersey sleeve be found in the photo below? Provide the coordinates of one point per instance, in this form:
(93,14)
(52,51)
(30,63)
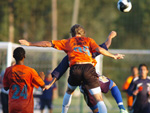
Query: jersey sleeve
(93,44)
(37,81)
(103,45)
(94,54)
(131,88)
(61,68)
(127,83)
(59,44)
(5,79)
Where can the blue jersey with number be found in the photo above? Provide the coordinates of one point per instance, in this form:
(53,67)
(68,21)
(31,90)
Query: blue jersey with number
(141,102)
(47,94)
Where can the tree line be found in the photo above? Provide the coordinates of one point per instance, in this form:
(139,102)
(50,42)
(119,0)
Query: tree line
(32,20)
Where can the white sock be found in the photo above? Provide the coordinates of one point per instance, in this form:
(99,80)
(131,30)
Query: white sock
(101,107)
(66,102)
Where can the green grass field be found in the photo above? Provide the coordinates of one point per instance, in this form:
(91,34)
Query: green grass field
(79,106)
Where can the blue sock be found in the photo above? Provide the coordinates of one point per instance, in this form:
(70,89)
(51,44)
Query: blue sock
(117,95)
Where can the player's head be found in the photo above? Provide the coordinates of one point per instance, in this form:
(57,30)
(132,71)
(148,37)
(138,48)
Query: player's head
(143,70)
(19,53)
(77,30)
(134,71)
(49,74)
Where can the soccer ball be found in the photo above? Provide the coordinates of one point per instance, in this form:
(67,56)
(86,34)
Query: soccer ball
(124,5)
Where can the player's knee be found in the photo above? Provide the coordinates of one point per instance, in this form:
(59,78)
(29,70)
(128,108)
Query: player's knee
(114,84)
(98,97)
(69,91)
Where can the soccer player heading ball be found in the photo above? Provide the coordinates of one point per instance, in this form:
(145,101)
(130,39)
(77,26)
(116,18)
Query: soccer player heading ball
(124,5)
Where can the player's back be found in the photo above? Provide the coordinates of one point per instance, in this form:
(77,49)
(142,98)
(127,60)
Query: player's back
(78,48)
(20,79)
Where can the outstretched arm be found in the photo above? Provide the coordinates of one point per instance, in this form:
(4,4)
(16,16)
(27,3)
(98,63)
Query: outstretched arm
(42,75)
(106,53)
(52,82)
(61,68)
(59,71)
(39,44)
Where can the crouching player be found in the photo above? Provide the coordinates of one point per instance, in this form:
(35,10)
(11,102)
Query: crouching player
(63,66)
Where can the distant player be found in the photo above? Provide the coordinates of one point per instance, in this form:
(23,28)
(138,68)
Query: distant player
(78,49)
(20,80)
(140,88)
(46,99)
(135,73)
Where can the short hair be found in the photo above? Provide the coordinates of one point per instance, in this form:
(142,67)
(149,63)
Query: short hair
(143,65)
(19,53)
(77,30)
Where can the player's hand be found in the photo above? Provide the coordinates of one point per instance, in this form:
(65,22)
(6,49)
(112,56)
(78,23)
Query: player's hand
(135,92)
(49,85)
(43,89)
(119,56)
(112,34)
(24,42)
(42,75)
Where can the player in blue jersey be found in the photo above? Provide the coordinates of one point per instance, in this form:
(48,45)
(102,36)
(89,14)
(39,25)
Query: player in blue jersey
(46,99)
(105,83)
(140,89)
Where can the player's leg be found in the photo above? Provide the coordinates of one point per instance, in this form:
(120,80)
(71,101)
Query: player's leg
(42,105)
(117,96)
(96,93)
(4,101)
(90,101)
(106,84)
(67,98)
(92,84)
(73,81)
(49,105)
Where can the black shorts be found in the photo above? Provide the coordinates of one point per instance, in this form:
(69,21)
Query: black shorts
(83,73)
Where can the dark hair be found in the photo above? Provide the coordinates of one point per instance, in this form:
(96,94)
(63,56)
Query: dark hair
(143,65)
(19,53)
(77,29)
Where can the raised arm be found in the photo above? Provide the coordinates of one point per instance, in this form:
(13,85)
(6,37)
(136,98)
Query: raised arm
(106,44)
(109,38)
(39,44)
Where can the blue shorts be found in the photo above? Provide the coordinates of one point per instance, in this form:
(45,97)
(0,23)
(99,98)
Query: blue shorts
(45,102)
